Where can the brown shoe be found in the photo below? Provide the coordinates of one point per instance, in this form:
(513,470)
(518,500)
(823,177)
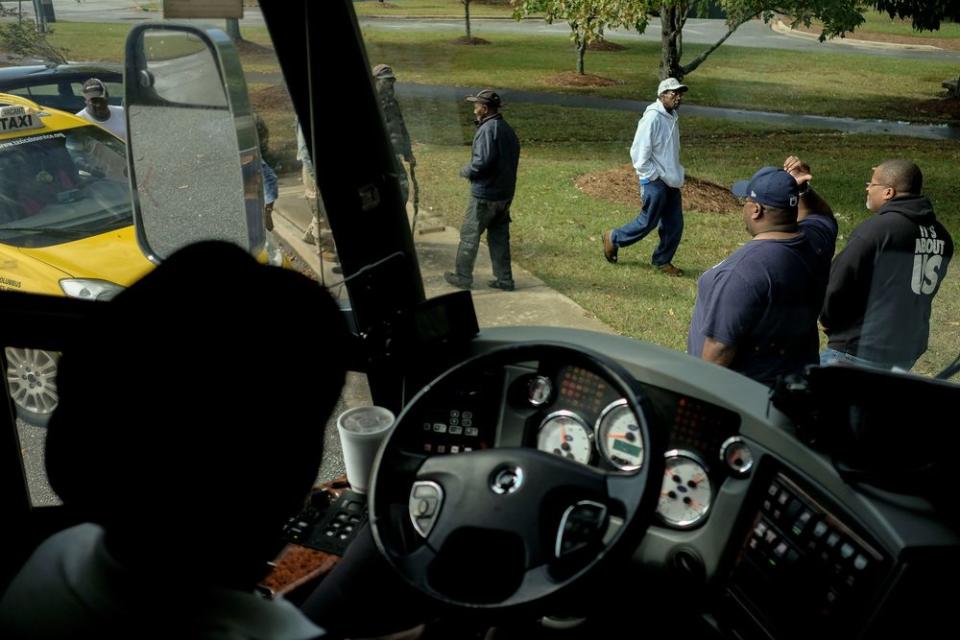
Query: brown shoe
(670,270)
(609,249)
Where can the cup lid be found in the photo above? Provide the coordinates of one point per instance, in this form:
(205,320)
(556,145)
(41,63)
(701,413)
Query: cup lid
(365,420)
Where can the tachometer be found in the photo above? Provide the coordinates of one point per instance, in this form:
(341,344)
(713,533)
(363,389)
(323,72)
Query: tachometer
(620,437)
(565,434)
(686,494)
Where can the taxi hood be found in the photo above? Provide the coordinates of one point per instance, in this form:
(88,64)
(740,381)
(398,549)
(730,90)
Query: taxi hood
(113,256)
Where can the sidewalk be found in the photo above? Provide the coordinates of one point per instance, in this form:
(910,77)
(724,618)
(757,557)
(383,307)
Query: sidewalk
(532,303)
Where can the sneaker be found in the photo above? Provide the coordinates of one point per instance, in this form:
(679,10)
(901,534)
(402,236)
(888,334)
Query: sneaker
(497,284)
(670,270)
(456,280)
(609,249)
(308,237)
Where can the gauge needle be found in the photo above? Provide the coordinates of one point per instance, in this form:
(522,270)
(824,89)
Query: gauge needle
(563,433)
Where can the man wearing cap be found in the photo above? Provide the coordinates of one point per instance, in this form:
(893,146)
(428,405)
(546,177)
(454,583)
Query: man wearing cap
(393,118)
(877,309)
(99,112)
(756,312)
(655,153)
(492,173)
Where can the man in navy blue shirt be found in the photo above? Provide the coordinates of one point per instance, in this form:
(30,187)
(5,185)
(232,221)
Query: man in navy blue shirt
(756,311)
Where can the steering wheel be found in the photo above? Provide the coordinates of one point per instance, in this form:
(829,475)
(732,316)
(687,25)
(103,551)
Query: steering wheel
(506,526)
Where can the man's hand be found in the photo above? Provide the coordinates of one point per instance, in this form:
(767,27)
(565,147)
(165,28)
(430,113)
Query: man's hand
(799,169)
(465,171)
(411,161)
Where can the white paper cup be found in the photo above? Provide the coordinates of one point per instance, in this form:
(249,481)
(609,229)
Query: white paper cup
(362,429)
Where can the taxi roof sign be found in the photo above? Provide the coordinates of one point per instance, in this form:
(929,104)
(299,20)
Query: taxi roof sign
(17,118)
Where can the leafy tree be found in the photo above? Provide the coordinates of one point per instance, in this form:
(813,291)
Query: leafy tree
(25,40)
(926,14)
(837,16)
(587,18)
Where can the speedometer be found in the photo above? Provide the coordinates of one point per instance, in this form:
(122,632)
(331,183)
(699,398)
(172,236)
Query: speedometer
(620,436)
(565,434)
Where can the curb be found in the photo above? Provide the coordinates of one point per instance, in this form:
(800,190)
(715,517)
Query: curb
(784,29)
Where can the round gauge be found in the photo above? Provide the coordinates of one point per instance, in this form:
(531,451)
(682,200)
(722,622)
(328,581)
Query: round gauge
(565,434)
(620,437)
(735,453)
(685,495)
(539,391)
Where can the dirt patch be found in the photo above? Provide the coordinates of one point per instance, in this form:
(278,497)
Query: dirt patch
(620,186)
(574,79)
(466,40)
(604,45)
(270,99)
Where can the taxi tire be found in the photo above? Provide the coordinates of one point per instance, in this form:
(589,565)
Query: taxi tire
(31,379)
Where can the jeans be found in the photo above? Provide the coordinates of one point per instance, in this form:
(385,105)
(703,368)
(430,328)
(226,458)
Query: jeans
(661,208)
(492,216)
(828,356)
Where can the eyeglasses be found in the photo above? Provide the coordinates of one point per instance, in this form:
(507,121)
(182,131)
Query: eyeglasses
(877,184)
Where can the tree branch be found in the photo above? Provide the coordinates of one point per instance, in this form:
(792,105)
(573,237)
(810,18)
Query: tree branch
(696,62)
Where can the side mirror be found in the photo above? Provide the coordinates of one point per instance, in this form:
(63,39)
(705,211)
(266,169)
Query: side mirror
(192,143)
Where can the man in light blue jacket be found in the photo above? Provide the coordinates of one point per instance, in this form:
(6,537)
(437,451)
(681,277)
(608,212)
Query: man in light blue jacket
(656,157)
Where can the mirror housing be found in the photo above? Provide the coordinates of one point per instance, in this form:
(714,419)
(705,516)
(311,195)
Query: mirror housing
(192,146)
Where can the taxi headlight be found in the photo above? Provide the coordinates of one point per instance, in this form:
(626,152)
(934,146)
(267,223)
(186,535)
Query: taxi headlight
(89,289)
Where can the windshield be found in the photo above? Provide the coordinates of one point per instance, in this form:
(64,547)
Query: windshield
(64,185)
(622,201)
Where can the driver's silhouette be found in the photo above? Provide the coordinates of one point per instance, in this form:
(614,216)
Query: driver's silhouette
(187,432)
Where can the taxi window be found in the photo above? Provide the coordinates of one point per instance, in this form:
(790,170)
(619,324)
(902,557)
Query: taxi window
(114,92)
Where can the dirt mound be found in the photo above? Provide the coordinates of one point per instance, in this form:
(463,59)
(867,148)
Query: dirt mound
(605,45)
(270,98)
(620,185)
(466,40)
(574,79)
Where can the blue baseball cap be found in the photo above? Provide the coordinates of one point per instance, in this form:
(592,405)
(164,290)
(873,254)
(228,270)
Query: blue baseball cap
(771,186)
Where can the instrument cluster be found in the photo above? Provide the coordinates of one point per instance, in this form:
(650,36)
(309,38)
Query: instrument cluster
(578,416)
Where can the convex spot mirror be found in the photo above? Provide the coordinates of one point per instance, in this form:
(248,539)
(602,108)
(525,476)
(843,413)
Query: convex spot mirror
(191,141)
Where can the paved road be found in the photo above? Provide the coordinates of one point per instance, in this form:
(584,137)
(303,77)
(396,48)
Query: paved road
(754,34)
(697,31)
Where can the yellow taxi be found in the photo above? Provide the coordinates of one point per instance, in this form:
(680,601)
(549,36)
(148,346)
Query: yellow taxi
(66,226)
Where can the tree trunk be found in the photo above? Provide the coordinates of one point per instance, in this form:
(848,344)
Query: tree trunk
(672,17)
(581,51)
(233,29)
(466,16)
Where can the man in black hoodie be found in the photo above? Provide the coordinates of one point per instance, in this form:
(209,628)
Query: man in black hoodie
(877,307)
(492,173)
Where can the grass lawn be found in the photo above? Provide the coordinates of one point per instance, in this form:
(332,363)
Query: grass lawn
(853,85)
(556,229)
(877,22)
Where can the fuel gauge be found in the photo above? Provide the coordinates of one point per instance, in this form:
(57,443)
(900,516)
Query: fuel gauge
(686,495)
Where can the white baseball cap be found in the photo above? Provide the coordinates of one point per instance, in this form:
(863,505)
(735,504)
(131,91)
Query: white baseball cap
(670,84)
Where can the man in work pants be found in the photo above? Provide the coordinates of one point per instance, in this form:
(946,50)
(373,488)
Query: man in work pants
(492,173)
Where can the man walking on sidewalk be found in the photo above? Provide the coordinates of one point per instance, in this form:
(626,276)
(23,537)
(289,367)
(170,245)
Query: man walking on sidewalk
(492,173)
(655,153)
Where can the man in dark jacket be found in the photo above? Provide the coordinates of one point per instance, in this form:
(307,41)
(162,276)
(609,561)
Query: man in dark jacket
(492,173)
(877,307)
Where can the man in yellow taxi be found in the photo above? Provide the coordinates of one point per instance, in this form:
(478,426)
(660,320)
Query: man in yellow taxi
(66,226)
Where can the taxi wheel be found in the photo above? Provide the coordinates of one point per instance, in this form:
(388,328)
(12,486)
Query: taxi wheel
(32,380)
